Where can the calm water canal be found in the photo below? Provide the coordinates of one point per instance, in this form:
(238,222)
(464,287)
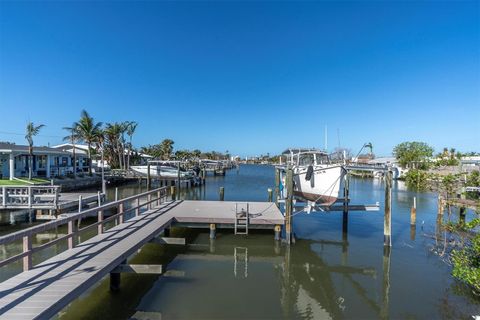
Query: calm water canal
(324,275)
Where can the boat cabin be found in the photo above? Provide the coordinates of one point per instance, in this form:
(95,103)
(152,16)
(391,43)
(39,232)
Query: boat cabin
(306,157)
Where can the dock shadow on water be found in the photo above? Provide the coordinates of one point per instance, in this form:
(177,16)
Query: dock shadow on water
(325,275)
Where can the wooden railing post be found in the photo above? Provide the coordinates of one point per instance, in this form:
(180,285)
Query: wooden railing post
(159,200)
(100,220)
(137,204)
(27,247)
(149,199)
(120,211)
(71,240)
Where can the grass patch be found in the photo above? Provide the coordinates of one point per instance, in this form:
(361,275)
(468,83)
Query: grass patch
(7,182)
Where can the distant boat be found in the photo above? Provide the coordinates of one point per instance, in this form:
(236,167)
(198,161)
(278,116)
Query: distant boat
(315,178)
(163,169)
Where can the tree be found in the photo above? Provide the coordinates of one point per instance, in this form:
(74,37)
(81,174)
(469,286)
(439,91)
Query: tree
(166,148)
(88,130)
(31,131)
(132,126)
(73,137)
(113,132)
(413,154)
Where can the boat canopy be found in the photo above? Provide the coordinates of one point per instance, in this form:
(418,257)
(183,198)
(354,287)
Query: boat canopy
(290,151)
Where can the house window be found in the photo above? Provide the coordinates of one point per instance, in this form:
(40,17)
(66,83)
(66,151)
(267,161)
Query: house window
(64,161)
(42,162)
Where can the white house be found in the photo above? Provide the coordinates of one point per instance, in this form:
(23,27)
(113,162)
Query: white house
(82,149)
(47,162)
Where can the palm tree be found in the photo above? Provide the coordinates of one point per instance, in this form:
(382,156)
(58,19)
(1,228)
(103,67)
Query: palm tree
(132,126)
(32,130)
(73,137)
(166,148)
(113,132)
(88,129)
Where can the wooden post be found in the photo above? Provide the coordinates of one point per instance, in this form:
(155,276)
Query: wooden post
(149,180)
(116,193)
(71,239)
(413,212)
(440,205)
(212,231)
(159,200)
(346,195)
(278,230)
(99,198)
(120,210)
(173,193)
(137,209)
(387,222)
(80,203)
(270,195)
(149,200)
(27,247)
(289,205)
(100,220)
(277,185)
(222,193)
(115,279)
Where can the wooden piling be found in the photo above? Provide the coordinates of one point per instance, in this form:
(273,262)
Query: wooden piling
(270,195)
(278,231)
(440,205)
(346,195)
(413,212)
(116,193)
(387,222)
(212,231)
(289,205)
(173,193)
(277,185)
(221,193)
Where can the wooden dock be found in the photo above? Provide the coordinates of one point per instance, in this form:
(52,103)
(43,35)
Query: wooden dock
(42,291)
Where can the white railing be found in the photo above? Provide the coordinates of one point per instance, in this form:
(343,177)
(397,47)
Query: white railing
(135,203)
(29,197)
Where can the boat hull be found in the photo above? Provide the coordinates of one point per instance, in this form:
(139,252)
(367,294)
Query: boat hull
(161,172)
(322,185)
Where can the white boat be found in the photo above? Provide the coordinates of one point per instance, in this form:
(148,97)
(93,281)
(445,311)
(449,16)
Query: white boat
(315,178)
(163,169)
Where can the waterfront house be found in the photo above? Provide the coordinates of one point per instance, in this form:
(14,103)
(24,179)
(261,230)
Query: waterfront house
(82,149)
(47,162)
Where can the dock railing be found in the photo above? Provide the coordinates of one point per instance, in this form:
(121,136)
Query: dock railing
(156,196)
(27,197)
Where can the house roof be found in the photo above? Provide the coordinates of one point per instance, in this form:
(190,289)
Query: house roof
(15,148)
(83,147)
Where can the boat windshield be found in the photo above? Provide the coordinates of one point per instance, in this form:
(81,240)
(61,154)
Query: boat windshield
(322,158)
(306,159)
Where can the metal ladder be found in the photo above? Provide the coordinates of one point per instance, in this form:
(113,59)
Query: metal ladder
(238,252)
(241,220)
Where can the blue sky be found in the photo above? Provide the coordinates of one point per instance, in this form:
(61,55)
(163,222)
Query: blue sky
(247,77)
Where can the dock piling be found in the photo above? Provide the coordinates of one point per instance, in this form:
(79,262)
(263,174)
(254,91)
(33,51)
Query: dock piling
(149,178)
(173,192)
(221,193)
(387,222)
(212,231)
(277,185)
(413,212)
(278,232)
(289,205)
(270,195)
